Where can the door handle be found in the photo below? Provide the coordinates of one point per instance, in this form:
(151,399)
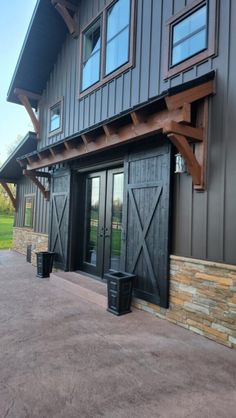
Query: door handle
(107,234)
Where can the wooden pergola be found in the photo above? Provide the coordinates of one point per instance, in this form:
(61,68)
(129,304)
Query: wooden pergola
(183,117)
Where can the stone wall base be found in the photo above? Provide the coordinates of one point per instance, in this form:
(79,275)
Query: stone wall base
(202,299)
(24,236)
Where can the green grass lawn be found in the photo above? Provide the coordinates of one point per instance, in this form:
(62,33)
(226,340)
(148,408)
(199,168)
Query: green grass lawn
(6,224)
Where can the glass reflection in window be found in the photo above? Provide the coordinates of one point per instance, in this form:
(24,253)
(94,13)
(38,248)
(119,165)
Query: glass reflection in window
(93,190)
(55,117)
(116,220)
(91,55)
(117,37)
(189,36)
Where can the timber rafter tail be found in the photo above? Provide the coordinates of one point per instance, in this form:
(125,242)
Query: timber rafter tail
(183,118)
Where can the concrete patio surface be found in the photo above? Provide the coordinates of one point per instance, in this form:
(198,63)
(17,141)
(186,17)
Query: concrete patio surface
(63,355)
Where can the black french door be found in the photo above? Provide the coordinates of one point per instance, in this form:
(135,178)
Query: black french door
(103,221)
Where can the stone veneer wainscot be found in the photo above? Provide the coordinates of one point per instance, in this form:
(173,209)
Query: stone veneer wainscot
(202,299)
(26,236)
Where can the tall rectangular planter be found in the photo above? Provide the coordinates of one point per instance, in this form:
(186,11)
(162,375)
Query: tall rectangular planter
(119,292)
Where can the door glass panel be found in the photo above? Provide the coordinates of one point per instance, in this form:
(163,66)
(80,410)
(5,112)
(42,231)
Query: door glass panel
(93,193)
(116,220)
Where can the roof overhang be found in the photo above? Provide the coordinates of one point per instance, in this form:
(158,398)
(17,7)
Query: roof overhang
(43,41)
(10,170)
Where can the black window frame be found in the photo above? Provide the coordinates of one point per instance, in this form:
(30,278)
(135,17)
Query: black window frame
(131,52)
(211,41)
(60,129)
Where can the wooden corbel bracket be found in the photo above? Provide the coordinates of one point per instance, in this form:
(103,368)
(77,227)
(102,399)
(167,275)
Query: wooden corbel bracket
(24,97)
(33,177)
(9,192)
(194,167)
(63,7)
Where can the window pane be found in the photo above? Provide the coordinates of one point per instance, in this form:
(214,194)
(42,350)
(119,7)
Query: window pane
(118,18)
(91,71)
(55,117)
(189,47)
(117,52)
(91,55)
(116,221)
(189,25)
(93,190)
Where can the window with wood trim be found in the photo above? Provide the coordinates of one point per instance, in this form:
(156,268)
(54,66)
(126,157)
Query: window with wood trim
(190,36)
(56,117)
(107,45)
(29,211)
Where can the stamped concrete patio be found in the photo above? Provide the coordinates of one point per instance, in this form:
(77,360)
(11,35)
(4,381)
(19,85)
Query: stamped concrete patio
(62,355)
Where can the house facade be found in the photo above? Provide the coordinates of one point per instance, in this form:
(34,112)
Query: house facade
(133,165)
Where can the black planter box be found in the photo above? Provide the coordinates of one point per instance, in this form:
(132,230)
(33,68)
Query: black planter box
(119,292)
(44,264)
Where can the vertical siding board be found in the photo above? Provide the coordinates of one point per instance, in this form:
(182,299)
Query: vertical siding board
(230,166)
(216,156)
(155,46)
(104,102)
(111,98)
(119,94)
(145,51)
(98,108)
(135,74)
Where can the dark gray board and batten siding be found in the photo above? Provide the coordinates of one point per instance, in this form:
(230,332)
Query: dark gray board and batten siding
(204,224)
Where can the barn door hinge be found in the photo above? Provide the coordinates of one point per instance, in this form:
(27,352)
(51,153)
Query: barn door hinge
(9,193)
(33,177)
(67,11)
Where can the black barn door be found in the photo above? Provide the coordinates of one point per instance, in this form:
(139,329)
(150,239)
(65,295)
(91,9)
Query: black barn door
(146,251)
(59,226)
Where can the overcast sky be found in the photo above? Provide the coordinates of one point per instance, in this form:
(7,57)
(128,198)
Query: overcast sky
(14,20)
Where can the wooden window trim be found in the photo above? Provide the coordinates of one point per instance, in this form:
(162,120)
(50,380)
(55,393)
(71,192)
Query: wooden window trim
(129,64)
(211,34)
(32,196)
(60,129)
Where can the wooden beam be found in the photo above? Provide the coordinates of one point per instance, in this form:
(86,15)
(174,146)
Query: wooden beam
(66,3)
(29,94)
(34,173)
(186,151)
(9,193)
(191,95)
(38,184)
(188,131)
(137,118)
(129,132)
(109,130)
(68,19)
(25,101)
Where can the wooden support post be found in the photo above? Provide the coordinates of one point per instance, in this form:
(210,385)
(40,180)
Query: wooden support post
(62,7)
(182,145)
(37,183)
(24,99)
(9,192)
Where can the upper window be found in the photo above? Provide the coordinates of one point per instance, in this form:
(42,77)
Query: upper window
(55,118)
(91,55)
(117,35)
(29,211)
(106,45)
(190,36)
